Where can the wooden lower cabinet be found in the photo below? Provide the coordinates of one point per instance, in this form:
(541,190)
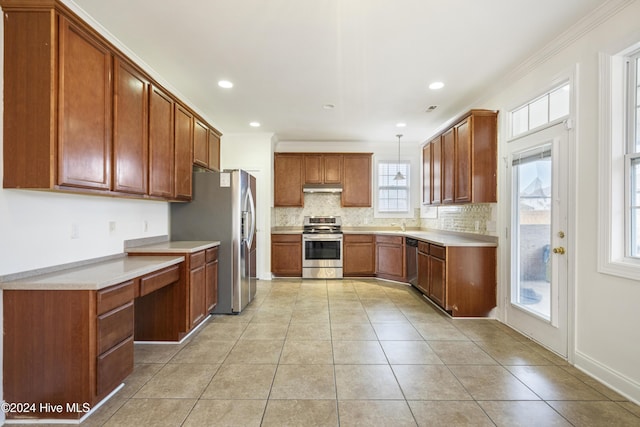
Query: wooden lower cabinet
(286,255)
(359,255)
(63,347)
(461,280)
(390,257)
(211,279)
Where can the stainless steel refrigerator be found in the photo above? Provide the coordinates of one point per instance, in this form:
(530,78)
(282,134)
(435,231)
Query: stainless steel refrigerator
(223,209)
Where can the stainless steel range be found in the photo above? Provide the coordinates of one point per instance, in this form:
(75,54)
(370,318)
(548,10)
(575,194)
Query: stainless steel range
(322,247)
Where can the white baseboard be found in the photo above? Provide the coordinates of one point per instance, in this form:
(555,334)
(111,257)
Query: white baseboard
(611,378)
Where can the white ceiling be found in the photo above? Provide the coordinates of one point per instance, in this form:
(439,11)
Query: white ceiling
(372,59)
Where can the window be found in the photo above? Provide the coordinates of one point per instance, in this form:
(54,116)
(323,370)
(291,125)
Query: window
(393,193)
(632,157)
(548,108)
(619,164)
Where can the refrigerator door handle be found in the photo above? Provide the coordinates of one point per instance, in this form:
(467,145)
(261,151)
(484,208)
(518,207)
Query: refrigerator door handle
(248,219)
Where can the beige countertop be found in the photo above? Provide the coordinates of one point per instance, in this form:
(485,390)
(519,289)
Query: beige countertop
(96,275)
(442,238)
(168,247)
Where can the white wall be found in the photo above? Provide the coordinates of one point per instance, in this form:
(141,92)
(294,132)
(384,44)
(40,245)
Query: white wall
(607,308)
(253,152)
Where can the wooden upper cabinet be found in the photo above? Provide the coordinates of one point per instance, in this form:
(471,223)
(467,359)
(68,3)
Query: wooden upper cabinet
(462,190)
(463,161)
(448,166)
(323,168)
(200,144)
(130,125)
(183,146)
(214,150)
(288,178)
(84,110)
(427,175)
(356,185)
(161,154)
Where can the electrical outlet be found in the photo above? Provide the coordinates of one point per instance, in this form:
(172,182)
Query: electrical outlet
(75,230)
(112,228)
(145,226)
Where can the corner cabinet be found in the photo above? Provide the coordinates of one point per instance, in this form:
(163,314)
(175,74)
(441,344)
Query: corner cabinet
(390,257)
(460,165)
(461,280)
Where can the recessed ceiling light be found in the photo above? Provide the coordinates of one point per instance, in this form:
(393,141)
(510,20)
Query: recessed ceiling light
(401,125)
(436,85)
(328,106)
(254,124)
(225,84)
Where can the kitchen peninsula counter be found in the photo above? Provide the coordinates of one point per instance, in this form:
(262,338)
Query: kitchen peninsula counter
(172,247)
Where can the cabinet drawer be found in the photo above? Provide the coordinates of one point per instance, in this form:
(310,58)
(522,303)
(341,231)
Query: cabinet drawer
(286,238)
(211,254)
(114,366)
(160,279)
(423,247)
(394,240)
(358,238)
(196,260)
(437,251)
(115,296)
(115,326)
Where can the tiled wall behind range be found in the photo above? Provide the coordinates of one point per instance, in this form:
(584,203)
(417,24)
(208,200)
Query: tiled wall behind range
(477,218)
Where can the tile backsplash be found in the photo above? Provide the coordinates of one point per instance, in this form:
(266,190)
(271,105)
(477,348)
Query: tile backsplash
(472,218)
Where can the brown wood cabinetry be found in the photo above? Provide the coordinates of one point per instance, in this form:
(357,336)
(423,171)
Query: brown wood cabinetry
(161,156)
(464,158)
(461,280)
(427,175)
(390,257)
(183,146)
(288,179)
(66,346)
(356,185)
(80,116)
(211,279)
(323,168)
(197,286)
(200,144)
(286,255)
(130,125)
(359,258)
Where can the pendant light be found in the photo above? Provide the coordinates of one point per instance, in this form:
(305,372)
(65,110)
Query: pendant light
(399,176)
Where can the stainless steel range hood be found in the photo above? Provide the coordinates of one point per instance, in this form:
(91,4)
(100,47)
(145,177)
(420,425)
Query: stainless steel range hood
(322,188)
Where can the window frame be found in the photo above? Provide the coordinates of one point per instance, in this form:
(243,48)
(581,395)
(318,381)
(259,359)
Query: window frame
(391,214)
(614,189)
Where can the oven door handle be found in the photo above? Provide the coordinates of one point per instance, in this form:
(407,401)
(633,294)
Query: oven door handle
(321,239)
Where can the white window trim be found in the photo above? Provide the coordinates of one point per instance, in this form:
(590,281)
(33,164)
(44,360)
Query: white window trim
(612,187)
(377,213)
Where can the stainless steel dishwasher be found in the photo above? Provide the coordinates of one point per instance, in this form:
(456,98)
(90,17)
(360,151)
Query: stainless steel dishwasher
(411,260)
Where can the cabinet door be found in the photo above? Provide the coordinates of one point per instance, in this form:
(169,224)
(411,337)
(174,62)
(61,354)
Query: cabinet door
(390,257)
(211,285)
(130,125)
(214,150)
(427,175)
(436,171)
(288,176)
(183,144)
(197,295)
(463,161)
(356,185)
(332,167)
(359,255)
(313,169)
(84,110)
(423,272)
(286,255)
(160,144)
(437,280)
(200,144)
(448,166)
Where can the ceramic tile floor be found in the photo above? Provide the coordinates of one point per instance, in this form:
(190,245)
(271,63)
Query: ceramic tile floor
(356,352)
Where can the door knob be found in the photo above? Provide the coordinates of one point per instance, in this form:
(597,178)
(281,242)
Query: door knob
(559,250)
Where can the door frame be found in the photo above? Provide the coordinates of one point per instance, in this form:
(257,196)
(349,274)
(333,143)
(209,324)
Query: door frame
(504,208)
